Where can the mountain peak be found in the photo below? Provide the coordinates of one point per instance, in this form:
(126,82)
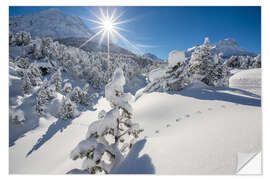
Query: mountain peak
(228,41)
(151,56)
(50,22)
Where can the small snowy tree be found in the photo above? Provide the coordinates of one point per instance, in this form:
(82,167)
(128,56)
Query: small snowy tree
(22,62)
(76,95)
(105,144)
(22,38)
(233,62)
(27,85)
(67,87)
(68,109)
(56,79)
(81,96)
(34,74)
(45,94)
(257,62)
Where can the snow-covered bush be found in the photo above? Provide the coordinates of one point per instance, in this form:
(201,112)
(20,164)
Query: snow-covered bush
(105,142)
(46,93)
(56,79)
(67,87)
(16,116)
(68,109)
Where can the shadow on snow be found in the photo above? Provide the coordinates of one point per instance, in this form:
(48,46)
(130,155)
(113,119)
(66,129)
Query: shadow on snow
(59,125)
(133,164)
(219,94)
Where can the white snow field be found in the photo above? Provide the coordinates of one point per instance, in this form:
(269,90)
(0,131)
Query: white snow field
(198,130)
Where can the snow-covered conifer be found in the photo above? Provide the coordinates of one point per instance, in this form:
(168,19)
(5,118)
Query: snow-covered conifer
(22,38)
(202,63)
(112,133)
(68,109)
(56,79)
(45,94)
(233,62)
(67,87)
(22,62)
(75,95)
(27,85)
(257,62)
(34,74)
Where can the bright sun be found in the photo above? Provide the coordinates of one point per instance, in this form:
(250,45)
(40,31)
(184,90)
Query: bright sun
(107,25)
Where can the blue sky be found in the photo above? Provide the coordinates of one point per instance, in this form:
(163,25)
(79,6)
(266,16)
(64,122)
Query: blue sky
(159,30)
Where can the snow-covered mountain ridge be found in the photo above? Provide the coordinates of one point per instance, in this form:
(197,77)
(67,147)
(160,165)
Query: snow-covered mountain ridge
(52,22)
(228,47)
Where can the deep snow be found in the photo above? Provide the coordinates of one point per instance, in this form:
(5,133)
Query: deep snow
(199,130)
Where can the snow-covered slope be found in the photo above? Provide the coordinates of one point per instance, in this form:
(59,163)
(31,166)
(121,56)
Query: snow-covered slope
(185,133)
(51,22)
(228,47)
(248,80)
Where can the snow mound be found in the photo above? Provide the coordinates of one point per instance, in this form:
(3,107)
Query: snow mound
(176,57)
(249,80)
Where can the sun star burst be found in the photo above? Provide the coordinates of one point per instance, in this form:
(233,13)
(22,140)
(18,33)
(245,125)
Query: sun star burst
(108,26)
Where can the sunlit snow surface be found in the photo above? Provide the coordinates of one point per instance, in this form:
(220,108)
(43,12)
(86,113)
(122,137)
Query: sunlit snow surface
(199,130)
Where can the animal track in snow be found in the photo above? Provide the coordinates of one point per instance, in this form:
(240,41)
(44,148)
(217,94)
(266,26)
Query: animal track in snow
(168,125)
(210,109)
(223,106)
(157,131)
(187,115)
(178,119)
(199,112)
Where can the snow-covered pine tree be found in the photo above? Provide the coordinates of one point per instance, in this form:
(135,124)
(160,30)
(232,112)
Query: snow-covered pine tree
(22,62)
(176,76)
(220,74)
(202,63)
(76,95)
(105,144)
(27,85)
(56,79)
(22,38)
(67,87)
(68,109)
(233,62)
(45,94)
(257,62)
(34,74)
